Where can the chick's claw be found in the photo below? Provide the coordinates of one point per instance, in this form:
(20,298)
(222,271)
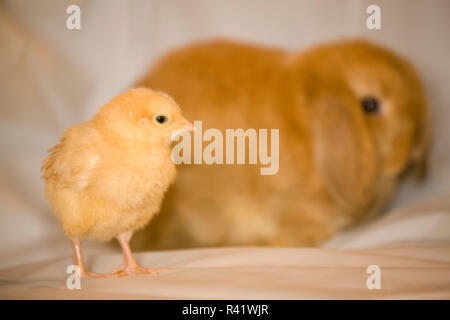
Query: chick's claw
(86,274)
(123,271)
(118,269)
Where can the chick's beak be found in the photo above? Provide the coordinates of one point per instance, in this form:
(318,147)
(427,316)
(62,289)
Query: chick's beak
(185,126)
(188,126)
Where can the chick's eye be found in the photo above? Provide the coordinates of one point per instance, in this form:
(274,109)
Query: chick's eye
(370,105)
(161,119)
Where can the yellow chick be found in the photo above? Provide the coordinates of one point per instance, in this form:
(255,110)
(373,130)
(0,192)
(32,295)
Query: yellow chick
(107,177)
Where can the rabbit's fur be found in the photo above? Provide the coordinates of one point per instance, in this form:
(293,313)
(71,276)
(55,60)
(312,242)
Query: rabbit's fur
(338,164)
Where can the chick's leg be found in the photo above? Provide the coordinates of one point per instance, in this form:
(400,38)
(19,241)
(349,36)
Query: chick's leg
(79,261)
(130,266)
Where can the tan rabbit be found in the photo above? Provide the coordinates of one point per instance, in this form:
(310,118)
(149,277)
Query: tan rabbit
(352,118)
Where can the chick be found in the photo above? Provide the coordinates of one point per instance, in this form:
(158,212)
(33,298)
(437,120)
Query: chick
(107,177)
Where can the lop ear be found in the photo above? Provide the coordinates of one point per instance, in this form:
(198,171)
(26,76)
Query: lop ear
(345,152)
(422,144)
(420,164)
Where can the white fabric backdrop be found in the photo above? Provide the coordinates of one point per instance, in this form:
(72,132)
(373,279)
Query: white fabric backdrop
(52,78)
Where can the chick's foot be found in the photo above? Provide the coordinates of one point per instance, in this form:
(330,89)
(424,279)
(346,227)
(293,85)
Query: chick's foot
(86,274)
(124,270)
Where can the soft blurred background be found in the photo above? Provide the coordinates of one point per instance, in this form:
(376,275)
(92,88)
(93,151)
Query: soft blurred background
(52,78)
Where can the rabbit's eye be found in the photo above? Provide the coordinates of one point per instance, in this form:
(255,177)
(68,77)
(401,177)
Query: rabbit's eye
(370,104)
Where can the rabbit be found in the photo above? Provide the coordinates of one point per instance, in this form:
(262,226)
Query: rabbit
(353,121)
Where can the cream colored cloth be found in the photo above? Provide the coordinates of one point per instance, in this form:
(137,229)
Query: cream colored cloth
(410,246)
(407,272)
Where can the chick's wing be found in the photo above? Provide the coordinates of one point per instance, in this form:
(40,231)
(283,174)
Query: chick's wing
(71,163)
